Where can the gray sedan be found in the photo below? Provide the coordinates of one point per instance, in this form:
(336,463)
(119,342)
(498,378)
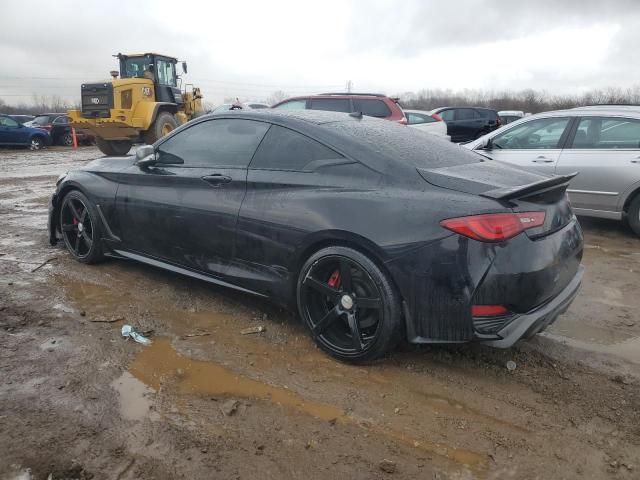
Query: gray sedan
(601,143)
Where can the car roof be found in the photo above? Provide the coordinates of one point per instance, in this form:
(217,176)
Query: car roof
(465,106)
(372,96)
(382,145)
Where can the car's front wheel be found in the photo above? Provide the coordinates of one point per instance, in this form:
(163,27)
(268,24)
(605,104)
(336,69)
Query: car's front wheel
(37,143)
(80,228)
(349,304)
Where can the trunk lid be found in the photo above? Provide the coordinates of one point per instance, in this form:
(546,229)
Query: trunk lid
(512,187)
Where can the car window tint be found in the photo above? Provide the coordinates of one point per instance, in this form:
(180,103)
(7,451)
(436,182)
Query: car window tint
(284,149)
(535,134)
(601,132)
(331,104)
(292,105)
(224,142)
(466,114)
(371,107)
(447,115)
(8,122)
(41,120)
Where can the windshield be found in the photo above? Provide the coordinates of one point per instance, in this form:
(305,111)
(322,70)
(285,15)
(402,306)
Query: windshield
(41,120)
(136,66)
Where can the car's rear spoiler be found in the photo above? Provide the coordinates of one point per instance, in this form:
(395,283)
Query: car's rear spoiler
(541,186)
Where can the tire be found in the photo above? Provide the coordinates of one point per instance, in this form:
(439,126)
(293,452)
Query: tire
(81,231)
(114,148)
(66,139)
(633,214)
(333,312)
(37,143)
(164,124)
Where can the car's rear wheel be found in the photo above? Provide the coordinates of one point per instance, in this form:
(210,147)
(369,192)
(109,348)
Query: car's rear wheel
(37,143)
(633,214)
(349,304)
(112,148)
(80,227)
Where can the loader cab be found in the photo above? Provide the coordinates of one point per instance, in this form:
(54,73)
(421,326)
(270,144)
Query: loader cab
(163,74)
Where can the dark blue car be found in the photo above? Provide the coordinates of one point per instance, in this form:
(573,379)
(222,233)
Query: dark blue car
(13,133)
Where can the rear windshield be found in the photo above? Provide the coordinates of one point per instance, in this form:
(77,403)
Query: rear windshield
(403,144)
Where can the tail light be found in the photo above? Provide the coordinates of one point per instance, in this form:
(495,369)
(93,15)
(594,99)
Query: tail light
(494,227)
(436,117)
(488,310)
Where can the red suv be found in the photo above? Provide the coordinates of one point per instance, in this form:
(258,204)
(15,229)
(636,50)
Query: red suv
(371,104)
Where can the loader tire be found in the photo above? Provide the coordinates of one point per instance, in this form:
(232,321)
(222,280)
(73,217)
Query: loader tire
(165,123)
(114,148)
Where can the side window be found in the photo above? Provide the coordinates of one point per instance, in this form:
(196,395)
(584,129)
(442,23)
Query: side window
(62,120)
(602,132)
(331,104)
(284,149)
(372,108)
(466,114)
(293,105)
(8,122)
(447,115)
(224,142)
(166,73)
(536,134)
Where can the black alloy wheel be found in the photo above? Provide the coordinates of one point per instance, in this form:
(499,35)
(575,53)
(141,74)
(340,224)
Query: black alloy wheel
(348,304)
(79,228)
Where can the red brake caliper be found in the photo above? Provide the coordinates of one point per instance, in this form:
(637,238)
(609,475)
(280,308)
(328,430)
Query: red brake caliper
(334,279)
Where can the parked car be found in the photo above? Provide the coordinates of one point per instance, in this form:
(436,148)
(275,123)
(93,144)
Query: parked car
(508,116)
(369,229)
(601,144)
(59,127)
(22,118)
(427,122)
(258,105)
(468,123)
(369,104)
(13,133)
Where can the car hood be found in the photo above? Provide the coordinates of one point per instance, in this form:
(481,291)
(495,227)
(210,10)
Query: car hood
(109,164)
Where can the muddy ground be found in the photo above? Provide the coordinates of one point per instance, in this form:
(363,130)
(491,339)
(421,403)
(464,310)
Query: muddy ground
(203,401)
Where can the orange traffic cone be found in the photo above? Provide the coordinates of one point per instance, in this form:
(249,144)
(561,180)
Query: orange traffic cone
(75,139)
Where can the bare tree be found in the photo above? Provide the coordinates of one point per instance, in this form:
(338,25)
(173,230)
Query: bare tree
(277,97)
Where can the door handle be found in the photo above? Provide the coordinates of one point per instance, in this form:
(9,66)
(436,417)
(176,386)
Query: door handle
(542,159)
(216,179)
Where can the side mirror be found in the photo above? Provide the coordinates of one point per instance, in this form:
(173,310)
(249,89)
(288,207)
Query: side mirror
(184,67)
(145,156)
(485,144)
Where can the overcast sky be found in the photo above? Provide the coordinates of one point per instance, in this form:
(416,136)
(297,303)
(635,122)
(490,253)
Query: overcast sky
(252,48)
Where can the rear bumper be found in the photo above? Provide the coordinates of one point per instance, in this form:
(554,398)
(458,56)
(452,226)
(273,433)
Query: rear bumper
(528,324)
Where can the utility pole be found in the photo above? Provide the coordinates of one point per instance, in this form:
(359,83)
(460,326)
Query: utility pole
(349,86)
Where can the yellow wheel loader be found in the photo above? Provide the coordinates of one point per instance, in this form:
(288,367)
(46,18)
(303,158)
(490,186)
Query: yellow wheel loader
(145,103)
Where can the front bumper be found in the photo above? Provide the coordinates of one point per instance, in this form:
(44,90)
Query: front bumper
(528,324)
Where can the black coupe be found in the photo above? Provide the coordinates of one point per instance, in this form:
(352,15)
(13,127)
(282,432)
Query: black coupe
(372,231)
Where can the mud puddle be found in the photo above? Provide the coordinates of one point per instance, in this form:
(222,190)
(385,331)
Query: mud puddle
(134,398)
(161,366)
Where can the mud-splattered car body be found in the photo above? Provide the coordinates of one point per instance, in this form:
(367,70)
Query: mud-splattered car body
(385,194)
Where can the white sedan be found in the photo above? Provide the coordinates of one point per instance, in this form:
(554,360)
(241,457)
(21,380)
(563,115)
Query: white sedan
(427,122)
